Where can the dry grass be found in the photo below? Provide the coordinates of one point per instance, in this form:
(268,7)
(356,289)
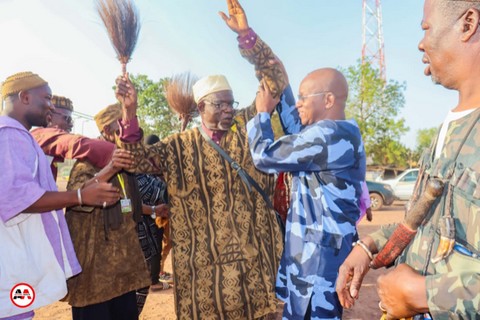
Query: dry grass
(122,22)
(180,97)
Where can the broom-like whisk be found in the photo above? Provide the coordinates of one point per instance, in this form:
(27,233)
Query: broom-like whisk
(122,22)
(180,97)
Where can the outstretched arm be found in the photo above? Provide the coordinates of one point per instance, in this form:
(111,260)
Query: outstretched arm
(22,181)
(95,191)
(147,159)
(59,143)
(288,113)
(254,49)
(305,151)
(286,107)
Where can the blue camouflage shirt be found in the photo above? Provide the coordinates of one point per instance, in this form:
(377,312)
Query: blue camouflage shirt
(327,162)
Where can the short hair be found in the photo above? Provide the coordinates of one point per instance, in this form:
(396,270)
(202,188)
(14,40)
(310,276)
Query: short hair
(151,139)
(453,9)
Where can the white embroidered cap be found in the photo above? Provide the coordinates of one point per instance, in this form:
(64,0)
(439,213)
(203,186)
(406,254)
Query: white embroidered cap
(210,84)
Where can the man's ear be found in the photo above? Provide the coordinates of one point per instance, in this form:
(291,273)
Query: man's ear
(106,129)
(49,120)
(201,106)
(330,100)
(24,97)
(470,21)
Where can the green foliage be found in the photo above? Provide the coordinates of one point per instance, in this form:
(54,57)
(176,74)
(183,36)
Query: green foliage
(425,138)
(153,112)
(376,105)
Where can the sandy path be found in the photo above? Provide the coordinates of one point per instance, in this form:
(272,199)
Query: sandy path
(159,305)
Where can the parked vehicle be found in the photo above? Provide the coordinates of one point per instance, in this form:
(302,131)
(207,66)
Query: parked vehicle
(380,194)
(403,184)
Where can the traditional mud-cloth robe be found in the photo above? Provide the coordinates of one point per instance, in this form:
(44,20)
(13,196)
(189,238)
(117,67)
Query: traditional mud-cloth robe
(226,242)
(106,244)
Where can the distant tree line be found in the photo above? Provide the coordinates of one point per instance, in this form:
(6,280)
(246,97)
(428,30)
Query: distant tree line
(373,103)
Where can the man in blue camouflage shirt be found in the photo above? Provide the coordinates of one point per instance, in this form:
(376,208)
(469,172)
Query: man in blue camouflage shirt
(327,160)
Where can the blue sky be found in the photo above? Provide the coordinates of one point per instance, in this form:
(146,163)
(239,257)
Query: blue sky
(65,42)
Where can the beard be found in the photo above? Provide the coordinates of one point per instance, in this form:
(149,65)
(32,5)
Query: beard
(37,121)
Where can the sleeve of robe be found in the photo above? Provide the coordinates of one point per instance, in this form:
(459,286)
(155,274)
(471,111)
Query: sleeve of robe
(18,188)
(56,142)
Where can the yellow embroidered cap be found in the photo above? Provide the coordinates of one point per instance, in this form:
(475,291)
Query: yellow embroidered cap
(108,115)
(62,102)
(210,84)
(20,82)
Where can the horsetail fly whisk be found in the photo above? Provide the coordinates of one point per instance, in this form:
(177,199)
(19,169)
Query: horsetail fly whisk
(121,19)
(180,97)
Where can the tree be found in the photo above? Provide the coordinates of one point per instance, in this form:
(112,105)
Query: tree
(375,105)
(153,112)
(425,138)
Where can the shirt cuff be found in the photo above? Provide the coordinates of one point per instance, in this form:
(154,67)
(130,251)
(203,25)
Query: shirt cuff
(130,132)
(264,116)
(247,41)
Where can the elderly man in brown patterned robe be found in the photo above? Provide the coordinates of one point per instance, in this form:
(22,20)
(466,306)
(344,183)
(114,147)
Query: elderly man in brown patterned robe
(226,241)
(106,241)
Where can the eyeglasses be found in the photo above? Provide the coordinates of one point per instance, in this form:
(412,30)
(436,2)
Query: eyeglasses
(68,119)
(303,98)
(223,105)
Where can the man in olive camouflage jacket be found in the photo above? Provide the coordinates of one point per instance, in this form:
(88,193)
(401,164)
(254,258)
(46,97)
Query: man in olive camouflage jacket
(443,283)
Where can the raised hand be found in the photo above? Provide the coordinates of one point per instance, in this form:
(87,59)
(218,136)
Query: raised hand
(127,95)
(265,102)
(236,20)
(100,194)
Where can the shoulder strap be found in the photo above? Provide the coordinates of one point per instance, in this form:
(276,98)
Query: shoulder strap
(246,178)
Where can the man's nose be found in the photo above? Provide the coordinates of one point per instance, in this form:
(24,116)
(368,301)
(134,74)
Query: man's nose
(421,46)
(228,109)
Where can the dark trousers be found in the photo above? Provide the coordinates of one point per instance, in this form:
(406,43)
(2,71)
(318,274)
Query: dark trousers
(156,260)
(123,307)
(155,268)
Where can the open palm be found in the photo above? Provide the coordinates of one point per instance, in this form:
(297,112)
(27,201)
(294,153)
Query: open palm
(236,20)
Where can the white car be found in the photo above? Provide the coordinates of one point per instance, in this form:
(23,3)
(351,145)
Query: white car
(403,184)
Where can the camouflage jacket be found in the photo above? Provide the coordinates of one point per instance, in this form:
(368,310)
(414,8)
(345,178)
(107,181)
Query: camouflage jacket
(327,161)
(453,284)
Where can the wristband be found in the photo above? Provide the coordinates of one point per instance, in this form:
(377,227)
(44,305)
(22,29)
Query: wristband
(247,41)
(153,215)
(79,197)
(365,248)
